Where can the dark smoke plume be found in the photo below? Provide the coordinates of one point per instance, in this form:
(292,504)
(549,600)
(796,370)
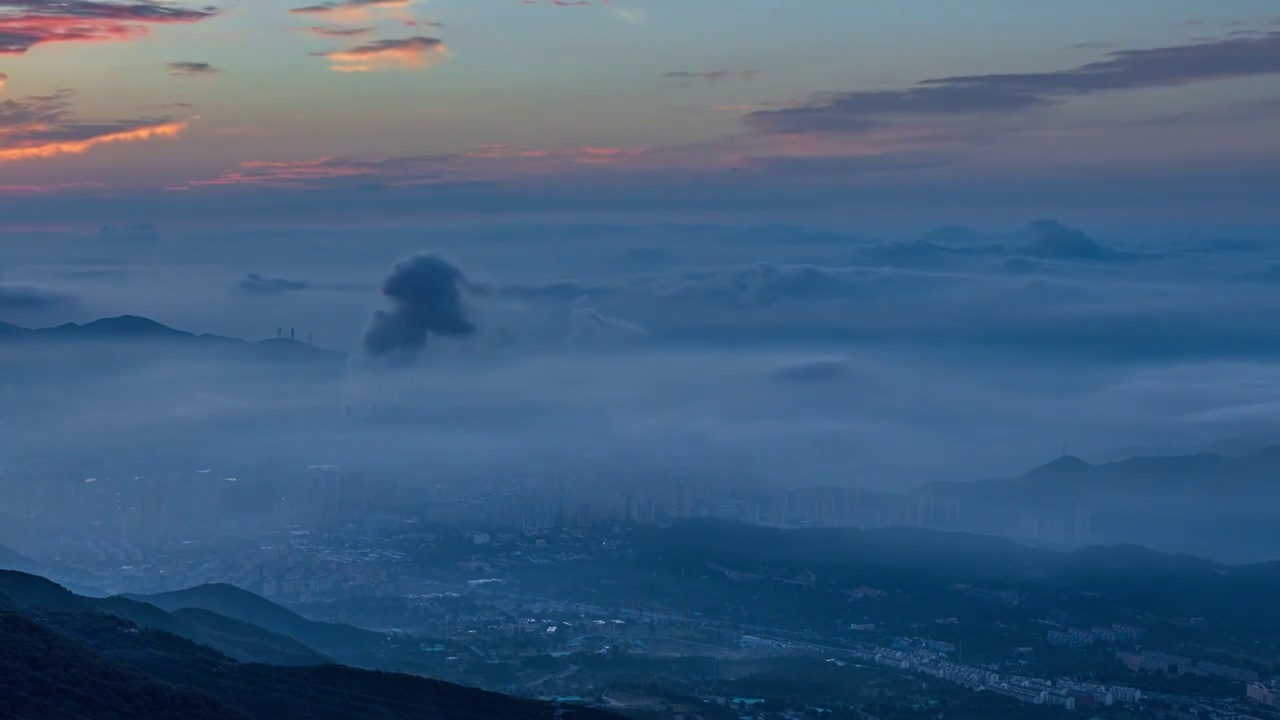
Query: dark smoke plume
(426,293)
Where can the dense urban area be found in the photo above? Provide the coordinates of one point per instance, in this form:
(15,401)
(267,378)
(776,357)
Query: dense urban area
(667,599)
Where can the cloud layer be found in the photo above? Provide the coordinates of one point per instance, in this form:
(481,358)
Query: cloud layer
(812,353)
(1002,94)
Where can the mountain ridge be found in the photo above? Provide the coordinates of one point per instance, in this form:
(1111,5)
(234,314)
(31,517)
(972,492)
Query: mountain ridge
(45,674)
(127,663)
(238,640)
(238,604)
(137,328)
(1178,474)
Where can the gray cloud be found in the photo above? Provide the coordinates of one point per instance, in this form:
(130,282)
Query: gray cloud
(563,289)
(766,284)
(713,75)
(31,297)
(426,295)
(924,252)
(259,285)
(1041,240)
(140,233)
(101,273)
(339,32)
(1053,240)
(1044,291)
(858,111)
(588,325)
(817,370)
(1265,110)
(192,69)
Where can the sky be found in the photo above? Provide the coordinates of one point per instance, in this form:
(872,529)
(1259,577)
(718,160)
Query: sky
(853,241)
(1145,113)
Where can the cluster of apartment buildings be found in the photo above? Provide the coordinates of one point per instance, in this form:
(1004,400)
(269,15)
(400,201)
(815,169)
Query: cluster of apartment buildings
(1083,637)
(1064,693)
(1267,693)
(1155,661)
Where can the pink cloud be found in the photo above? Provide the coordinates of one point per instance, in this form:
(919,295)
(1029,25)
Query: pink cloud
(24,24)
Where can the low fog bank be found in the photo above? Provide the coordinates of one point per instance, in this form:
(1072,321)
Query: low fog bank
(776,357)
(826,354)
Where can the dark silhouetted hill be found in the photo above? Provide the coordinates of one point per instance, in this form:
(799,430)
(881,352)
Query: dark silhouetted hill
(45,675)
(239,640)
(260,644)
(57,642)
(38,594)
(132,329)
(232,602)
(122,327)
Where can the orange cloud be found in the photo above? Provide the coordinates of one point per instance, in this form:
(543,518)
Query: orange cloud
(406,53)
(83,145)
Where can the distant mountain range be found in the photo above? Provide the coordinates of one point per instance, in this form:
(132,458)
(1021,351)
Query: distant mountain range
(127,329)
(64,655)
(1225,507)
(1235,446)
(1204,478)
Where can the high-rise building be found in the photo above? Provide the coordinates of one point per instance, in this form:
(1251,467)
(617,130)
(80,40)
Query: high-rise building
(1264,693)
